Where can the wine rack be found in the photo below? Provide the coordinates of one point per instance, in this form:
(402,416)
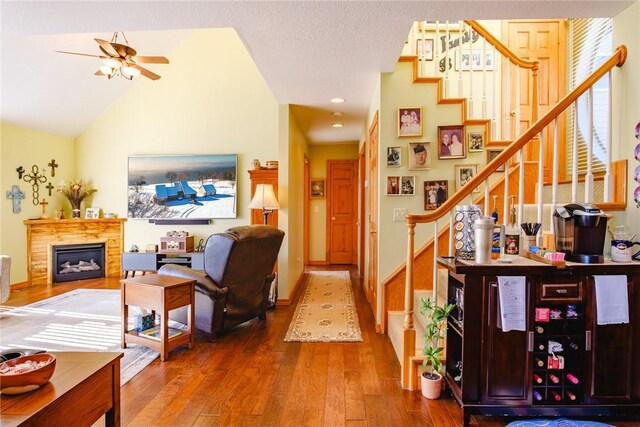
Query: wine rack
(558,354)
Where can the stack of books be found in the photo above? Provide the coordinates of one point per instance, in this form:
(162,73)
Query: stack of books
(155,333)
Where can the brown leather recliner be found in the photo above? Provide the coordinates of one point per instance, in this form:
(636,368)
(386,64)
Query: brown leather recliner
(234,287)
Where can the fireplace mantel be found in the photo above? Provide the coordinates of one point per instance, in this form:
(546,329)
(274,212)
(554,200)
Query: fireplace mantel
(43,233)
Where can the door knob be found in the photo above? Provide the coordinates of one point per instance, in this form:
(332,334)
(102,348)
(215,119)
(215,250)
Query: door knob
(333,218)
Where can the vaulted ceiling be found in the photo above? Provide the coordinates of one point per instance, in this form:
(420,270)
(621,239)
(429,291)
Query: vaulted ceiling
(307,51)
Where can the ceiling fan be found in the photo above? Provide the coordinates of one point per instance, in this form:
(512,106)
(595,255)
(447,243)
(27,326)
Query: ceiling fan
(122,59)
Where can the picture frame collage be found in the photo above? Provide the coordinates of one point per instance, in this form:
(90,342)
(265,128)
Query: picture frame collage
(455,142)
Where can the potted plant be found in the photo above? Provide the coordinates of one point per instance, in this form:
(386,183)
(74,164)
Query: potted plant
(436,326)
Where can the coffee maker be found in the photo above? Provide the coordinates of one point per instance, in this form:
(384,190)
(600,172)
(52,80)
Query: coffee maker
(580,232)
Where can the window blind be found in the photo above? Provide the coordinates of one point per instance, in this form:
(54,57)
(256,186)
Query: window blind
(590,44)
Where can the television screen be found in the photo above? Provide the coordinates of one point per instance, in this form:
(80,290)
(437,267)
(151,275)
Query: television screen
(182,187)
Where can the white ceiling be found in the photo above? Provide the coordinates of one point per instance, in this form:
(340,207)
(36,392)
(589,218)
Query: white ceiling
(307,51)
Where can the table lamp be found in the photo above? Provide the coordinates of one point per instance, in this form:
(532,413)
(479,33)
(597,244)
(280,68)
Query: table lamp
(264,198)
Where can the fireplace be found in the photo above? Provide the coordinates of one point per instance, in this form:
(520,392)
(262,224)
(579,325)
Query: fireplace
(77,262)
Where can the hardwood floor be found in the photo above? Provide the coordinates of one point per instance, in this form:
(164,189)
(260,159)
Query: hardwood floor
(251,377)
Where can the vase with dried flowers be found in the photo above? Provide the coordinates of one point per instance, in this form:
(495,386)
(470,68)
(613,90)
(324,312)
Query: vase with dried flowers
(75,192)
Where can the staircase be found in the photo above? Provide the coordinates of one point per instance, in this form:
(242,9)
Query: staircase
(402,292)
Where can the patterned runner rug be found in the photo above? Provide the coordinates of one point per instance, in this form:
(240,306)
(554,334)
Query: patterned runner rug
(80,320)
(327,312)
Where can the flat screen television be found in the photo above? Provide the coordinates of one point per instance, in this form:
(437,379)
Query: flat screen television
(185,187)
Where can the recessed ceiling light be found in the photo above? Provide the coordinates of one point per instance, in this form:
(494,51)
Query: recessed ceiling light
(336,113)
(337,100)
(337,125)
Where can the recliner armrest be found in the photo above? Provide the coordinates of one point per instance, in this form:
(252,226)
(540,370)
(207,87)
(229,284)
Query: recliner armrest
(203,282)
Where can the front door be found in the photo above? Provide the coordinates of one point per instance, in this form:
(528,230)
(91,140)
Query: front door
(342,211)
(542,40)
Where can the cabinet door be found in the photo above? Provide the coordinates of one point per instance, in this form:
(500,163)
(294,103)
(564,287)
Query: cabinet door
(506,355)
(613,370)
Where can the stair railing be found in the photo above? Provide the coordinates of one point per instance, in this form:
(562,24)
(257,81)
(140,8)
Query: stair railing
(535,130)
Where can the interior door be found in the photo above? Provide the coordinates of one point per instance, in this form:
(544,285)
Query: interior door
(362,167)
(542,40)
(372,283)
(342,211)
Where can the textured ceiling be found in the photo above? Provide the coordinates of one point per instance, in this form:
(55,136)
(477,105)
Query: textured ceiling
(307,51)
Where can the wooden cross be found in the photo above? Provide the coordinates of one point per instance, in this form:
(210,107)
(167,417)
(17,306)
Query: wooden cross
(53,165)
(50,187)
(35,178)
(44,204)
(20,171)
(16,195)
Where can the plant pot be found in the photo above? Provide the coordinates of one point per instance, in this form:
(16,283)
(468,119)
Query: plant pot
(431,385)
(75,213)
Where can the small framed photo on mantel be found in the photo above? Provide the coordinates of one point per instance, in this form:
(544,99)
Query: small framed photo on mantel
(92,213)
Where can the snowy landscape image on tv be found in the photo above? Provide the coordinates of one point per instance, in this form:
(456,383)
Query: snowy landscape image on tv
(182,187)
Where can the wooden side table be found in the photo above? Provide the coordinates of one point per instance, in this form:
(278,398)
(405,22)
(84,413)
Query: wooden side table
(161,294)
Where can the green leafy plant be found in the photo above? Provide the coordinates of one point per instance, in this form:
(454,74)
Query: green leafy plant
(436,326)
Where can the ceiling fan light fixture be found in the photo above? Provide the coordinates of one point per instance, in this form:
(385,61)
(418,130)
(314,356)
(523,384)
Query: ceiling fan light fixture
(107,71)
(112,63)
(129,72)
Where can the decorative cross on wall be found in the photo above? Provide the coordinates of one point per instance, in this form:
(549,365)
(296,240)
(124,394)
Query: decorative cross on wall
(44,204)
(50,186)
(53,165)
(35,178)
(16,195)
(20,171)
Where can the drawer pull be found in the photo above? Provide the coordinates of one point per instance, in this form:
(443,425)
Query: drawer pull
(561,291)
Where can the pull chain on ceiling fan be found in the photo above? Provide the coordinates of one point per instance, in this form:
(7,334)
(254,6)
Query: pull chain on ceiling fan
(122,59)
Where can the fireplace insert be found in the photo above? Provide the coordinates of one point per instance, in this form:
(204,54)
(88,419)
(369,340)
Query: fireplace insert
(77,262)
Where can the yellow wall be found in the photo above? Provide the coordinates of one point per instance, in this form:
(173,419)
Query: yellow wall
(626,105)
(318,156)
(25,147)
(211,99)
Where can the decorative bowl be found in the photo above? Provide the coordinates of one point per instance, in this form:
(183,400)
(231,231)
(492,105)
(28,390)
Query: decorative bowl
(30,379)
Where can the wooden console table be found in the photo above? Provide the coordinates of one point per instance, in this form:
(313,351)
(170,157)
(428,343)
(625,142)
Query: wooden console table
(84,387)
(492,372)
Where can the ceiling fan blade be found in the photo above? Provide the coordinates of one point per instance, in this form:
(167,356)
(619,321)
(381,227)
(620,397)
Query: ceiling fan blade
(81,54)
(107,48)
(145,72)
(151,59)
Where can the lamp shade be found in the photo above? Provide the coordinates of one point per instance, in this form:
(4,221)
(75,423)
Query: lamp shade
(264,198)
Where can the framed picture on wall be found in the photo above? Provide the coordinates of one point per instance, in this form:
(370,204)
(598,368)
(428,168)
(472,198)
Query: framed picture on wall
(317,188)
(410,121)
(419,155)
(464,173)
(451,142)
(476,141)
(424,49)
(492,154)
(408,185)
(435,194)
(393,185)
(394,158)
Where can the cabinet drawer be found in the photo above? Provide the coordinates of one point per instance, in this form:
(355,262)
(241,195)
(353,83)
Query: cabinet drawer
(561,291)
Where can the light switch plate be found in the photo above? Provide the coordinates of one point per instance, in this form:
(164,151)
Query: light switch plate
(399,214)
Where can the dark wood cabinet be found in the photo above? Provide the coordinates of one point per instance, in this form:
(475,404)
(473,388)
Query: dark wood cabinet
(563,364)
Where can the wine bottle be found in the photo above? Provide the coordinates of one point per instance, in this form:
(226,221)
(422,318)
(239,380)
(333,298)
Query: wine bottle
(539,362)
(537,378)
(573,378)
(570,395)
(539,329)
(541,347)
(574,346)
(537,396)
(554,379)
(556,396)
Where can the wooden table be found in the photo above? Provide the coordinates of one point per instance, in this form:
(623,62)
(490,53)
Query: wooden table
(161,294)
(84,387)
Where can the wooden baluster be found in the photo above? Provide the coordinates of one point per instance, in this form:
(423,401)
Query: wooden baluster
(540,200)
(505,206)
(508,107)
(484,78)
(554,183)
(470,97)
(486,197)
(446,60)
(495,128)
(588,178)
(521,186)
(574,165)
(608,181)
(460,83)
(435,260)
